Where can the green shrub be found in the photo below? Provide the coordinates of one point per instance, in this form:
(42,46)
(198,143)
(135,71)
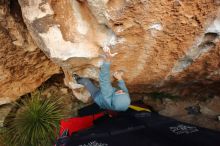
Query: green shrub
(36,121)
(2,132)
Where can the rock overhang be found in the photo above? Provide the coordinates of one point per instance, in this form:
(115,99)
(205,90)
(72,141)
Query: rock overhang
(159,43)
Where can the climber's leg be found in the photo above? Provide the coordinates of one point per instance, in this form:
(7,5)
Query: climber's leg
(93,89)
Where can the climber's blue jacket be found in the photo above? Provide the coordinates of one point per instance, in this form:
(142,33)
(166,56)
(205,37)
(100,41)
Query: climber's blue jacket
(107,98)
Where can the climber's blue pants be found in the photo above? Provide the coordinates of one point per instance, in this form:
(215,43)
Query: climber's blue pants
(93,89)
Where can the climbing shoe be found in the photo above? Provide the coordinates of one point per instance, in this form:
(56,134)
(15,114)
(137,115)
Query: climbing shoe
(76,77)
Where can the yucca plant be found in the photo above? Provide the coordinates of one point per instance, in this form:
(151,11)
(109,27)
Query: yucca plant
(36,121)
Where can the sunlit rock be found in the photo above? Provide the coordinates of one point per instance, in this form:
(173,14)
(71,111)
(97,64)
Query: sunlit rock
(161,45)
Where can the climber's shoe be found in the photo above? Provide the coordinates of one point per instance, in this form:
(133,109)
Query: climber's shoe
(76,77)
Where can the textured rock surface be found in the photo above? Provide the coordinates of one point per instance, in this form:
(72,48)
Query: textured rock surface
(207,116)
(165,45)
(23,67)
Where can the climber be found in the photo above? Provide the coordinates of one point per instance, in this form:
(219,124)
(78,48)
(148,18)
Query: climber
(107,97)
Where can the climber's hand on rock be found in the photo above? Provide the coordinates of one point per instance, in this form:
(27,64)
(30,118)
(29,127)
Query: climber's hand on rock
(108,54)
(107,57)
(118,75)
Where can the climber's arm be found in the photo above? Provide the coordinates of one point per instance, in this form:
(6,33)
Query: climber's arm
(121,84)
(118,75)
(104,79)
(104,76)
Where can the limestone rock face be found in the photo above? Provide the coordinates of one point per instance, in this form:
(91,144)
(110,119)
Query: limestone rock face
(164,45)
(23,66)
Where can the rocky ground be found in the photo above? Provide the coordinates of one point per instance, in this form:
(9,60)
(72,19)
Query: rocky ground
(198,111)
(202,111)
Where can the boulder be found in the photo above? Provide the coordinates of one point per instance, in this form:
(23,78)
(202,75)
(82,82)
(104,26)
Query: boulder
(23,66)
(166,46)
